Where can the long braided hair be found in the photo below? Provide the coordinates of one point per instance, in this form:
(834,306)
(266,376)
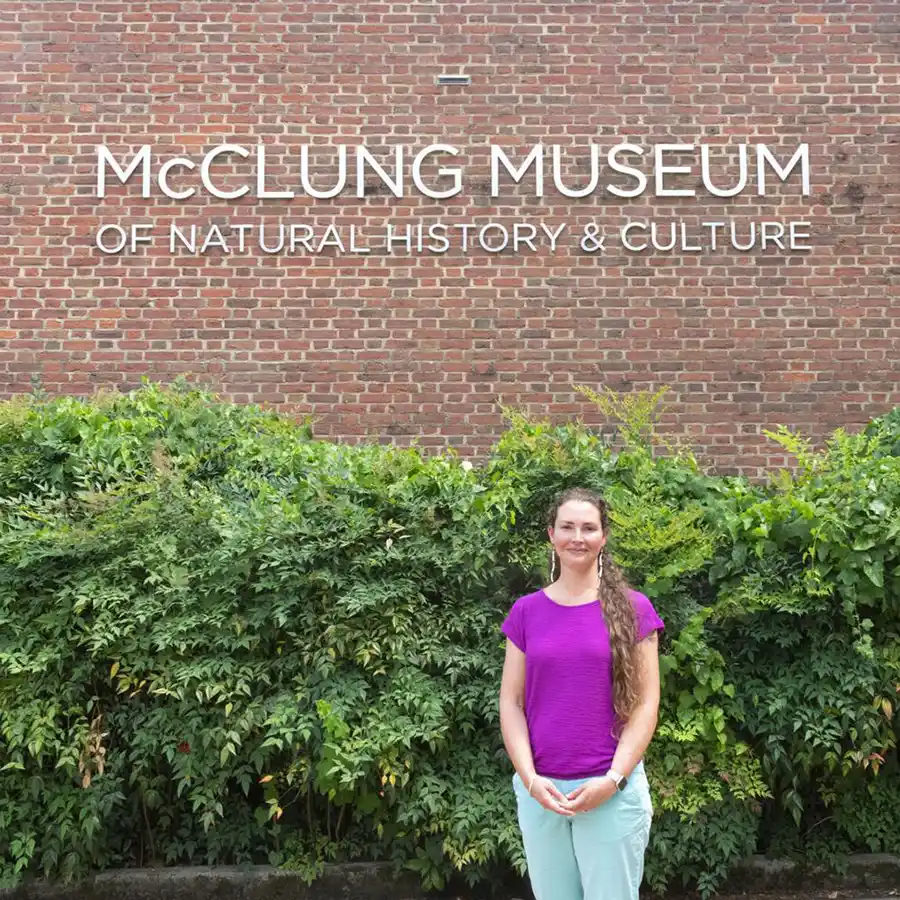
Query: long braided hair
(616,606)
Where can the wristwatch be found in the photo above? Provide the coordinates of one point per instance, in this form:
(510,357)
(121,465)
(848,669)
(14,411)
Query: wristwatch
(620,781)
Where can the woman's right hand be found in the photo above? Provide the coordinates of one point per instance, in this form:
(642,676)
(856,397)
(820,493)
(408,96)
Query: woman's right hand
(549,796)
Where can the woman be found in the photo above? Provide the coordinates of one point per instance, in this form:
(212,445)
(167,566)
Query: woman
(578,707)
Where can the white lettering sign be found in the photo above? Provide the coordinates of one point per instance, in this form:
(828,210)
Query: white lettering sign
(668,165)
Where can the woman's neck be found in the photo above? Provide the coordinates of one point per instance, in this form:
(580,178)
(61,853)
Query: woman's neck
(577,584)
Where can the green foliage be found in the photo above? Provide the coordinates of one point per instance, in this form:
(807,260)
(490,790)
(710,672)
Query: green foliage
(886,432)
(222,641)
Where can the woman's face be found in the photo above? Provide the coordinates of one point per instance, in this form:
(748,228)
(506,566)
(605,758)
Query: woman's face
(577,534)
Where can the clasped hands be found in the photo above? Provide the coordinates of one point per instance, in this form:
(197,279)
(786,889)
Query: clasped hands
(588,796)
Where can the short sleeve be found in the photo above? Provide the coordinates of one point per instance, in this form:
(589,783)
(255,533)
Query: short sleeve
(648,619)
(514,626)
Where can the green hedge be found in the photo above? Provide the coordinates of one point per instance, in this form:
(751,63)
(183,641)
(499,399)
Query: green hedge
(222,641)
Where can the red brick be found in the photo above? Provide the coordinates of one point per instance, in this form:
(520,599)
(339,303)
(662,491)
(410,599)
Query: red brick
(397,347)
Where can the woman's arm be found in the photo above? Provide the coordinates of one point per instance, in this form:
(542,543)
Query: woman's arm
(513,725)
(636,735)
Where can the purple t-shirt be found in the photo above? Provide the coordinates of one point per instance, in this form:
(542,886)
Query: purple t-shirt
(569,681)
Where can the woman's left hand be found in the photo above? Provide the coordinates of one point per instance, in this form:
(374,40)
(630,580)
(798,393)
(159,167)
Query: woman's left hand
(591,794)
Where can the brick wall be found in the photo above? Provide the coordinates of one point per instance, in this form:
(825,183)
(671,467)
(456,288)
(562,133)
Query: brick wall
(401,345)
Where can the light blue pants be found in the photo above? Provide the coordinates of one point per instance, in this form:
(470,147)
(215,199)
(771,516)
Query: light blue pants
(597,855)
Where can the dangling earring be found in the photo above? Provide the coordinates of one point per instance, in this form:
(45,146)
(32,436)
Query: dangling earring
(552,565)
(600,567)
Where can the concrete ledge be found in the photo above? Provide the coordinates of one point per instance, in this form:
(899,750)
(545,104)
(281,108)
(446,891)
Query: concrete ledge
(876,874)
(354,881)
